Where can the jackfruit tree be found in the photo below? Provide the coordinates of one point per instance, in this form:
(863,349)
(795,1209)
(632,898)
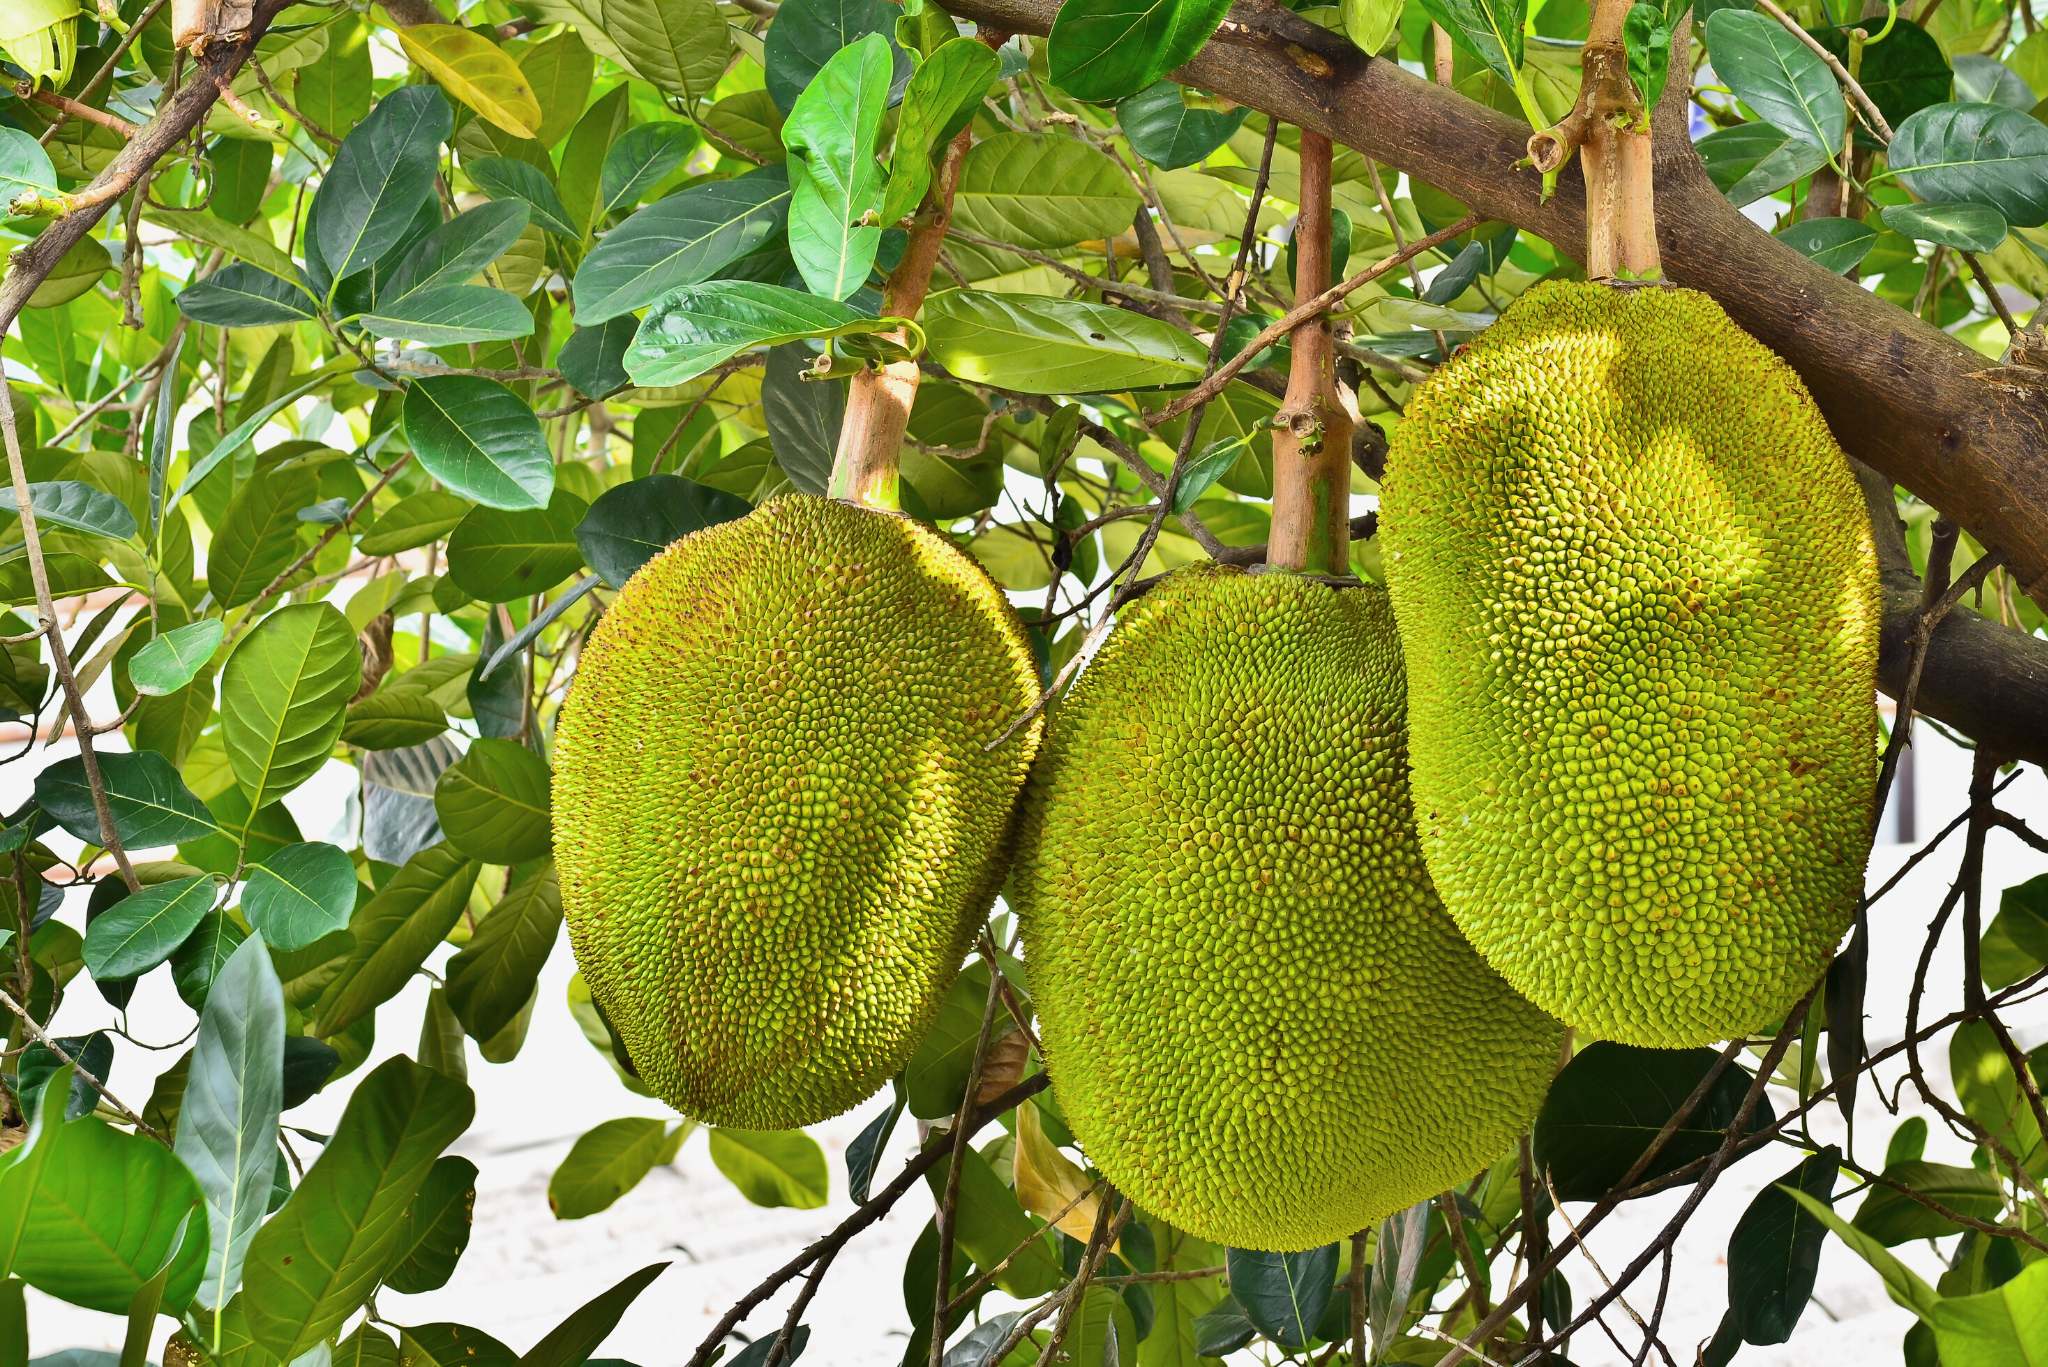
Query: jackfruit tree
(974,682)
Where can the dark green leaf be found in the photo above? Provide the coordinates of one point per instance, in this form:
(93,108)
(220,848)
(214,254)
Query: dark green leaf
(493,803)
(151,805)
(494,976)
(308,1063)
(300,893)
(1779,77)
(1775,1251)
(1840,244)
(437,1227)
(504,178)
(139,932)
(381,176)
(1976,153)
(680,241)
(197,963)
(1107,49)
(1283,1294)
(445,315)
(864,1154)
(594,358)
(1168,131)
(241,296)
(641,159)
(803,418)
(1893,1217)
(498,555)
(259,536)
(1904,74)
(480,439)
(694,329)
(227,1123)
(1965,227)
(1611,1100)
(1396,1258)
(413,521)
(68,503)
(1490,30)
(1646,39)
(457,251)
(571,1342)
(809,33)
(318,1260)
(632,523)
(394,932)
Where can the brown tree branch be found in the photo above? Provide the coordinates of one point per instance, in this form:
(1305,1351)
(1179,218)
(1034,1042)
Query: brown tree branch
(1952,426)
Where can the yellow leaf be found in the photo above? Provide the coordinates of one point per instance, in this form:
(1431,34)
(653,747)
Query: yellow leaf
(1048,1182)
(477,72)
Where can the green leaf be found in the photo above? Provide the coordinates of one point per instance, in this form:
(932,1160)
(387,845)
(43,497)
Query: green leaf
(943,94)
(1107,49)
(476,71)
(1774,1252)
(197,963)
(594,358)
(936,1075)
(413,521)
(445,315)
(2003,1327)
(694,329)
(75,272)
(394,932)
(1646,41)
(835,183)
(1976,153)
(493,802)
(1284,1294)
(2016,943)
(1397,1260)
(259,534)
(803,419)
(393,719)
(457,251)
(494,976)
(570,1343)
(1367,23)
(227,1123)
(379,179)
(1490,30)
(210,231)
(238,436)
(641,159)
(1840,244)
(1903,1285)
(240,296)
(139,932)
(1964,227)
(1611,1100)
(1892,1217)
(1042,191)
(499,556)
(170,661)
(150,804)
(1752,160)
(321,1256)
(679,241)
(809,33)
(301,893)
(1990,1091)
(283,694)
(607,1162)
(69,503)
(992,1229)
(1904,74)
(25,167)
(480,439)
(91,1215)
(1169,132)
(1056,346)
(680,46)
(773,1167)
(633,522)
(437,1227)
(582,165)
(505,178)
(1779,77)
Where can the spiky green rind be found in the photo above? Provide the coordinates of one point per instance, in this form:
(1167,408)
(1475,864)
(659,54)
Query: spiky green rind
(1260,1023)
(775,821)
(1637,593)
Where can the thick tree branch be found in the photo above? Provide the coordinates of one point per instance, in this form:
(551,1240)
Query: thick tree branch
(1961,432)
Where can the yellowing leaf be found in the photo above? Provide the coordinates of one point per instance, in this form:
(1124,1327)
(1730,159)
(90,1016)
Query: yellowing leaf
(1049,1183)
(477,72)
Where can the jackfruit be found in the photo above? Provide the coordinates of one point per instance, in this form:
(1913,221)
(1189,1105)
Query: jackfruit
(776,823)
(1636,589)
(1260,1023)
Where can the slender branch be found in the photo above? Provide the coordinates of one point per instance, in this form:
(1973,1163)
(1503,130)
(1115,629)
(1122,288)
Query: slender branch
(36,1033)
(78,109)
(1866,108)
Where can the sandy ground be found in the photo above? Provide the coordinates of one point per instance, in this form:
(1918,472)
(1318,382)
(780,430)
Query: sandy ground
(524,1270)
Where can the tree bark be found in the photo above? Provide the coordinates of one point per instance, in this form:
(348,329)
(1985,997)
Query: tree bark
(1963,433)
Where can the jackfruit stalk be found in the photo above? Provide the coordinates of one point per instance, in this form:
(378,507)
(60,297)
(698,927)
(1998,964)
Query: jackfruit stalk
(1636,590)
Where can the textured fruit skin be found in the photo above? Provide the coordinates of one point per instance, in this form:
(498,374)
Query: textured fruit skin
(1637,593)
(776,825)
(1259,1021)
